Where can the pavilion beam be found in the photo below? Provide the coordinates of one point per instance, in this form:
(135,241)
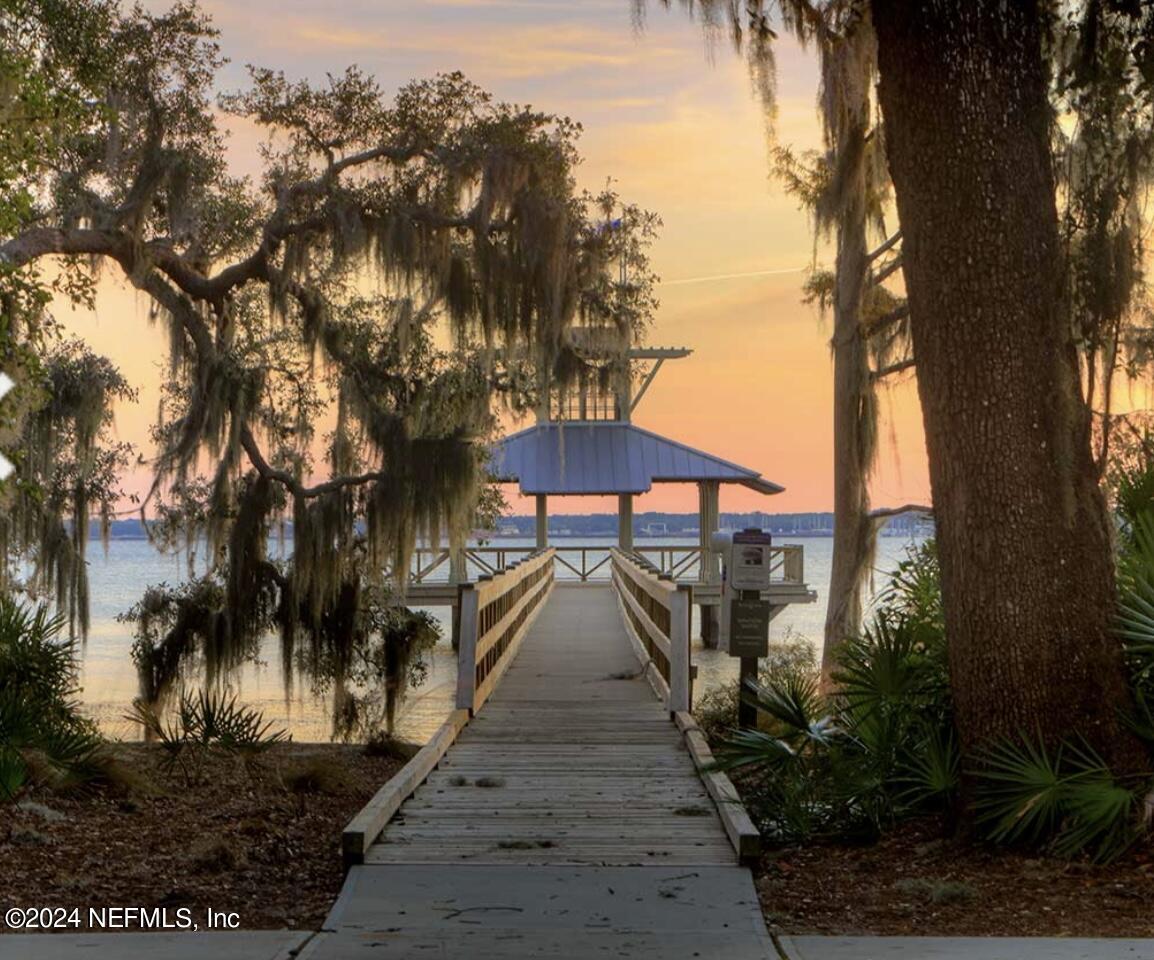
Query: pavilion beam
(542,521)
(649,378)
(625,521)
(709,520)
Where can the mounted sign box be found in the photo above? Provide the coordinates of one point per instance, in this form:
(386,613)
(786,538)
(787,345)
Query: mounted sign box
(744,621)
(748,562)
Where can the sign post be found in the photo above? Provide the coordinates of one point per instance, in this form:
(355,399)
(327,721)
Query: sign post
(744,614)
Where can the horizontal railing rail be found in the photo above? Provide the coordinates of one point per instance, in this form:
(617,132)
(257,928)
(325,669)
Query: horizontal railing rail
(656,612)
(496,612)
(590,563)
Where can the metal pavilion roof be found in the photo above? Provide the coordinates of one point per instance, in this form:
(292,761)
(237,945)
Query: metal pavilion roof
(606,457)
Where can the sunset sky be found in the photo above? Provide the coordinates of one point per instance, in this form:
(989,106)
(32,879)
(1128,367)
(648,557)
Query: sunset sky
(681,133)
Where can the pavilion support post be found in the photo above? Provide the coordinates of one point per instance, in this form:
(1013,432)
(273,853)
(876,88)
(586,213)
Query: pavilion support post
(542,521)
(625,521)
(709,519)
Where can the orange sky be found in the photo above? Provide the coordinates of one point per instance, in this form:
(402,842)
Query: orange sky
(682,134)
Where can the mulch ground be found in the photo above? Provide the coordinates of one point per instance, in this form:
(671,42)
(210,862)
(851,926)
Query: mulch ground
(263,843)
(914,883)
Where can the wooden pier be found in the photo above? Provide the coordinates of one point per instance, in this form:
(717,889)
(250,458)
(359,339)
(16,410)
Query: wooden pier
(567,808)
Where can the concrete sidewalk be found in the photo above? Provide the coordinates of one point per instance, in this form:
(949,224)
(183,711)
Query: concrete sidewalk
(230,945)
(502,912)
(964,948)
(424,935)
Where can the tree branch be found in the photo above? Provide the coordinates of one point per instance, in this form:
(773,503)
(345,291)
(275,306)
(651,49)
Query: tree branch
(887,271)
(876,325)
(885,247)
(893,368)
(885,513)
(44,241)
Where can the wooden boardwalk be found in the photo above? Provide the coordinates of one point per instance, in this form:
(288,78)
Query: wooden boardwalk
(573,760)
(568,820)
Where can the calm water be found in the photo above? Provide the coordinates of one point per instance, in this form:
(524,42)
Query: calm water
(108,677)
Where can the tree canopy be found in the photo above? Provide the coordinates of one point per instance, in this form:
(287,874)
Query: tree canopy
(341,329)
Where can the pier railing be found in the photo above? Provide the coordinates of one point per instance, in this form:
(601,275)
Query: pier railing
(591,562)
(656,612)
(496,612)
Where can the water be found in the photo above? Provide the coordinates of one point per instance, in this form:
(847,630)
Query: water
(108,677)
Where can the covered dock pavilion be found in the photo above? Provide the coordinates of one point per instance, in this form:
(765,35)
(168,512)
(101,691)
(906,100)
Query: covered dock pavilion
(601,452)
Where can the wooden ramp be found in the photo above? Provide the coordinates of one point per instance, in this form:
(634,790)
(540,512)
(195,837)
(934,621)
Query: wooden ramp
(568,820)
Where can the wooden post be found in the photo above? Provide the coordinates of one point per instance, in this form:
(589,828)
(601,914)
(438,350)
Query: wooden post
(747,670)
(542,521)
(680,603)
(458,574)
(746,712)
(458,571)
(709,518)
(467,649)
(625,521)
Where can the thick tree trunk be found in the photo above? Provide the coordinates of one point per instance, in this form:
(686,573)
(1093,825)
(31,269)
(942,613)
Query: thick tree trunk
(1023,532)
(853,415)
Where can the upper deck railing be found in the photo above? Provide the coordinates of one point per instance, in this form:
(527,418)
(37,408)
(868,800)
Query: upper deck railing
(591,562)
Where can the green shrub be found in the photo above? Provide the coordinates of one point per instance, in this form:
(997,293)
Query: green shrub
(1065,799)
(883,746)
(880,747)
(42,734)
(716,711)
(205,724)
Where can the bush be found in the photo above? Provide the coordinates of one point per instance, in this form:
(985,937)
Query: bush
(1065,800)
(316,775)
(883,745)
(43,737)
(716,711)
(206,724)
(880,747)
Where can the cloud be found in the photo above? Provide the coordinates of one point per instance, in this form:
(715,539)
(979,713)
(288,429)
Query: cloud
(504,50)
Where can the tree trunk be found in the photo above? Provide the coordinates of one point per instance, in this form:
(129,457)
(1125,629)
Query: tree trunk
(1023,532)
(854,415)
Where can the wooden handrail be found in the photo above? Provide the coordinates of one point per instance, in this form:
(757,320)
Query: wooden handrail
(366,826)
(656,612)
(587,562)
(496,613)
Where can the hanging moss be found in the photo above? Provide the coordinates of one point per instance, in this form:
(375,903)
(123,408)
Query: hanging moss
(377,221)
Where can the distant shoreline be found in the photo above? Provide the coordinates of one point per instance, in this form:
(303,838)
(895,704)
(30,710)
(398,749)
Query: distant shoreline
(681,527)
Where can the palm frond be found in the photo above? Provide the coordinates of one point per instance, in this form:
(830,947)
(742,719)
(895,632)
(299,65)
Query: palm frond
(1020,788)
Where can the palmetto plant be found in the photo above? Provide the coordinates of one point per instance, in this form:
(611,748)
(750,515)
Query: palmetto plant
(881,745)
(206,723)
(42,735)
(1065,798)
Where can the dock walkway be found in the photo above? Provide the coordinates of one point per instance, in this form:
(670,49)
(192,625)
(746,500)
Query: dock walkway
(568,820)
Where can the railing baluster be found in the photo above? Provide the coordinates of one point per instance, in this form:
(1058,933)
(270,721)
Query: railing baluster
(657,612)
